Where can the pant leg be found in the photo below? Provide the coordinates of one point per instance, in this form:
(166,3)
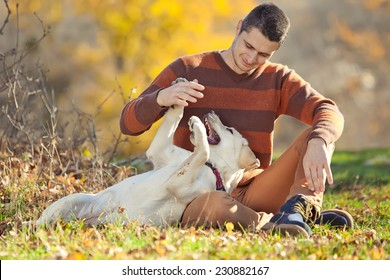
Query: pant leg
(216,208)
(282,180)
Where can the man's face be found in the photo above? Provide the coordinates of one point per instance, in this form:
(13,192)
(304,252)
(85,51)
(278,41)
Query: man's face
(251,50)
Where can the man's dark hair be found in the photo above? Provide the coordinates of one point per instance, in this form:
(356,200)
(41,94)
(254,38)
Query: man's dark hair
(270,20)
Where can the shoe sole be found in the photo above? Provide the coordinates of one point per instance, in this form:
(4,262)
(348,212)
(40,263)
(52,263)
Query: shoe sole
(343,213)
(285,230)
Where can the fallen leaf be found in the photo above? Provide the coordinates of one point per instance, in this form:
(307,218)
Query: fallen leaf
(229,227)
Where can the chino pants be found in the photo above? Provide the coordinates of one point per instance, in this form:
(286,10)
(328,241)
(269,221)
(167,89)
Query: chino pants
(260,194)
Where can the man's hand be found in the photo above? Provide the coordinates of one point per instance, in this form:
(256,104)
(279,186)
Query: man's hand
(316,164)
(180,94)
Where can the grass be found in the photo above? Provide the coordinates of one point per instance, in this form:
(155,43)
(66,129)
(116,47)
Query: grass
(362,187)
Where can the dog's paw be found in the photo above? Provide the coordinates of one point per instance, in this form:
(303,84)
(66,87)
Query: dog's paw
(195,124)
(179,80)
(198,131)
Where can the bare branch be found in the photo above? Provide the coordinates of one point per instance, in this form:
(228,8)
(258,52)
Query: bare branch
(100,106)
(7,18)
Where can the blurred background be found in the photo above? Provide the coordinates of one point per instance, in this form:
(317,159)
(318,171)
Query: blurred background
(97,55)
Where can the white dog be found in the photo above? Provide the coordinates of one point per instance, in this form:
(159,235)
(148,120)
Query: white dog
(159,197)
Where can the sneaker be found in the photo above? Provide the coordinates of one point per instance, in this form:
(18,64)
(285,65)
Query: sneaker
(336,218)
(294,217)
(292,230)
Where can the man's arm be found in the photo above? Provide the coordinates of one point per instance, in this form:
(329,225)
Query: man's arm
(140,113)
(302,102)
(299,100)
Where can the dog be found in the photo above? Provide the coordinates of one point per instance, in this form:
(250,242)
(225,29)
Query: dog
(159,197)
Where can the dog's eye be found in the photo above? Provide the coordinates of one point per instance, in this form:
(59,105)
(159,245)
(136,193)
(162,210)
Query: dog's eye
(230,130)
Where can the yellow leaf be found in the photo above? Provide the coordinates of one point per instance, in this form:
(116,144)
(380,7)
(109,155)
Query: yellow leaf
(86,152)
(229,227)
(78,256)
(74,256)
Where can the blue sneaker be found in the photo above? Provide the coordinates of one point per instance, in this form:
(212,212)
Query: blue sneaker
(294,217)
(336,218)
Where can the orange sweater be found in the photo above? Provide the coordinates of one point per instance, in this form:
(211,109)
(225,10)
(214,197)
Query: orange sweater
(250,103)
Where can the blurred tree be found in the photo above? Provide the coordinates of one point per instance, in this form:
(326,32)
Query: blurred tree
(362,37)
(340,47)
(122,45)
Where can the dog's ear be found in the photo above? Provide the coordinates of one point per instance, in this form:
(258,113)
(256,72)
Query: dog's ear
(247,159)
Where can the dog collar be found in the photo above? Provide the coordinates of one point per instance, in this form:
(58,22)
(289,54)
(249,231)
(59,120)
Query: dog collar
(219,184)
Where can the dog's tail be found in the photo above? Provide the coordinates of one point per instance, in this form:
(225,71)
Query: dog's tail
(71,207)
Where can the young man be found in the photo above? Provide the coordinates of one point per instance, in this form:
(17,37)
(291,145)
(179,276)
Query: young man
(249,93)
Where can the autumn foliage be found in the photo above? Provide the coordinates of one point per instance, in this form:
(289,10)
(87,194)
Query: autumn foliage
(106,52)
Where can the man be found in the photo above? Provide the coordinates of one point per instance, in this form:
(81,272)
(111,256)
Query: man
(249,93)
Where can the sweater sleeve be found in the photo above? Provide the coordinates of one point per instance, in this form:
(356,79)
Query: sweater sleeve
(140,113)
(301,101)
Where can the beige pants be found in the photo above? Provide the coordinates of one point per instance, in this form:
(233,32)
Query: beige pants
(253,203)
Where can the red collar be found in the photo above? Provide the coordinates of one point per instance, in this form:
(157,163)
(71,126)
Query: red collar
(219,184)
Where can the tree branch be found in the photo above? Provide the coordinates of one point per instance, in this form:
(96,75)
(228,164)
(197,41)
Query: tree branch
(7,18)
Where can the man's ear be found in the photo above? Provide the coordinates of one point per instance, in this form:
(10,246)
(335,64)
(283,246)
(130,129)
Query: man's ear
(238,27)
(247,159)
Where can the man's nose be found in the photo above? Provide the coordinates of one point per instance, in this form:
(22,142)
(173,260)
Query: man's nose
(253,57)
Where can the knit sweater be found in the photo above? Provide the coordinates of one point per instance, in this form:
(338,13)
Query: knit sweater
(251,103)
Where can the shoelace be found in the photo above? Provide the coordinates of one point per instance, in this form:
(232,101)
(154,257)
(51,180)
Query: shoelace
(309,211)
